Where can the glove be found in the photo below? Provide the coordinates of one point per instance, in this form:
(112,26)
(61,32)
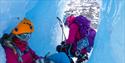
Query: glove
(82,58)
(60,47)
(40,60)
(44,60)
(63,43)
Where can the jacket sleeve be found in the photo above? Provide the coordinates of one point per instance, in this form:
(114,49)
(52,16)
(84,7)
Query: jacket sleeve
(72,34)
(92,37)
(35,57)
(10,56)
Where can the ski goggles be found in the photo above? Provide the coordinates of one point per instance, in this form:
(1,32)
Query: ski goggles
(24,37)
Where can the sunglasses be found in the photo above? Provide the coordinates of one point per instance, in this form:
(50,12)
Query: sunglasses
(24,37)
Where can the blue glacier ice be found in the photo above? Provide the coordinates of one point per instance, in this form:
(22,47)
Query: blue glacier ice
(109,42)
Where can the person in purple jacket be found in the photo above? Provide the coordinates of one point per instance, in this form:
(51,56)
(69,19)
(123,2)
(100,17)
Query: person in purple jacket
(81,36)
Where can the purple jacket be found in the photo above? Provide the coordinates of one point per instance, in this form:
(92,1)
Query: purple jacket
(74,37)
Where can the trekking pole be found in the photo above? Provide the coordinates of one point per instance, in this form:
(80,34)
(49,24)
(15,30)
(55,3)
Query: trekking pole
(61,25)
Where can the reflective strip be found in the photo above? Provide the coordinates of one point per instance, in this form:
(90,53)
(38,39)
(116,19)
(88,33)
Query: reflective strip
(83,43)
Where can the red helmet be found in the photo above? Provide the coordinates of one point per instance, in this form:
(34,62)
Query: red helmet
(70,20)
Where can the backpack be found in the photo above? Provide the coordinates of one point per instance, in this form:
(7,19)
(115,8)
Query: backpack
(84,25)
(85,32)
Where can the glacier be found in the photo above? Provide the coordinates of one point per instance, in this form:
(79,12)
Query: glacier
(109,42)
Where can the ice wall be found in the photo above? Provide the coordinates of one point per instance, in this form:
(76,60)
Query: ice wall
(11,13)
(11,10)
(109,42)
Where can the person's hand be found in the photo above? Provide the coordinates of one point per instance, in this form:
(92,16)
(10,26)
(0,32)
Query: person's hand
(44,60)
(63,42)
(40,60)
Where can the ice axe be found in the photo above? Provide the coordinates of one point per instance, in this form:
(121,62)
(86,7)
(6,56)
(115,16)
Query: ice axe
(61,25)
(63,34)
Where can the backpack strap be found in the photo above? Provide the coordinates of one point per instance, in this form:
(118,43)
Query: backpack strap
(6,41)
(20,54)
